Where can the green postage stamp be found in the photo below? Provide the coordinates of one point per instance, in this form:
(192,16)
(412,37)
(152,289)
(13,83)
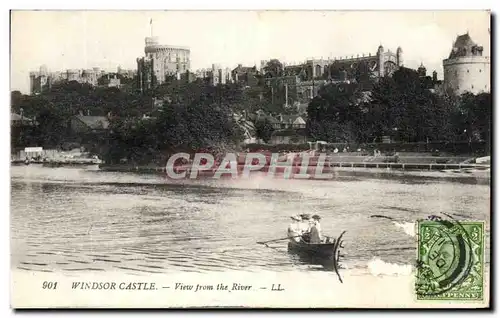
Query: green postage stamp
(450,263)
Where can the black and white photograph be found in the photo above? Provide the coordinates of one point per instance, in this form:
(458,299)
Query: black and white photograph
(250,159)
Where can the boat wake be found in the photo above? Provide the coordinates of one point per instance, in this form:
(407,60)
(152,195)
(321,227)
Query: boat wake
(378,267)
(407,227)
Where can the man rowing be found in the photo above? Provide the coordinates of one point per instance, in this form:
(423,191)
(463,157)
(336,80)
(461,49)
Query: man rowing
(311,229)
(315,236)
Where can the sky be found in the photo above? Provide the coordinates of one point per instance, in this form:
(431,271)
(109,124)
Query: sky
(84,39)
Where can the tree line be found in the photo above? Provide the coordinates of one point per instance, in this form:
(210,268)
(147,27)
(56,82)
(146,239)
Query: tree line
(197,115)
(402,107)
(187,116)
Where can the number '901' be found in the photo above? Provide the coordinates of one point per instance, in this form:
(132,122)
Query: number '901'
(49,285)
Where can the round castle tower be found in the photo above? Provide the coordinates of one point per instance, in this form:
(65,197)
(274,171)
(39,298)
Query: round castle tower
(466,69)
(167,60)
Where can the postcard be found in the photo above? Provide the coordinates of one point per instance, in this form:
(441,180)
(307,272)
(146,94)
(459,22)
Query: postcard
(250,159)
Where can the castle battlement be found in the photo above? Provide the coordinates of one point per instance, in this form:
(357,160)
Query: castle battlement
(165,48)
(467,59)
(43,79)
(165,60)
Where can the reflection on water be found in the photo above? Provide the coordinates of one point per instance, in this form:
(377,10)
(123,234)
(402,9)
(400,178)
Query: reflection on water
(75,220)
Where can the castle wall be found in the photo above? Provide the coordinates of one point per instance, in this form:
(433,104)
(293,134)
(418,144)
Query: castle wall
(43,80)
(467,74)
(38,82)
(382,63)
(73,75)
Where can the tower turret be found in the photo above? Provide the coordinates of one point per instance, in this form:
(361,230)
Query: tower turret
(33,77)
(422,71)
(399,56)
(43,70)
(380,55)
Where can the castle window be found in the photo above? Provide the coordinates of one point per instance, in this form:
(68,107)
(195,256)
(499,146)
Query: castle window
(480,70)
(472,86)
(467,71)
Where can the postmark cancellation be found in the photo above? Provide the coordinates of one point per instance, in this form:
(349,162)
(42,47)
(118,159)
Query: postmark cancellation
(450,260)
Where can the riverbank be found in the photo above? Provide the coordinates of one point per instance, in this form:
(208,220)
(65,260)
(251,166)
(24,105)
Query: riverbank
(54,158)
(58,163)
(472,173)
(312,167)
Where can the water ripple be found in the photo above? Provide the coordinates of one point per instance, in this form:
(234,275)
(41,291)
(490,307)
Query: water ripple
(74,221)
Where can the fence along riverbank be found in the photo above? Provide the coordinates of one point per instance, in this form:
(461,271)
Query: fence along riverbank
(413,163)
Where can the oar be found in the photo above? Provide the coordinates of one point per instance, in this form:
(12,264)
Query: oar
(276,240)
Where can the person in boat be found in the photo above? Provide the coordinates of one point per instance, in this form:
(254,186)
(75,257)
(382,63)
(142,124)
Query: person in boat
(315,236)
(294,229)
(305,222)
(305,227)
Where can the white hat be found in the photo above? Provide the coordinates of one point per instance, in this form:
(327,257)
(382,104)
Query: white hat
(296,218)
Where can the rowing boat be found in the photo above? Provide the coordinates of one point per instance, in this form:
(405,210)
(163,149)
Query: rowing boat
(325,254)
(321,250)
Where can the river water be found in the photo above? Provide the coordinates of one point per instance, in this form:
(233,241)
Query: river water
(76,220)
